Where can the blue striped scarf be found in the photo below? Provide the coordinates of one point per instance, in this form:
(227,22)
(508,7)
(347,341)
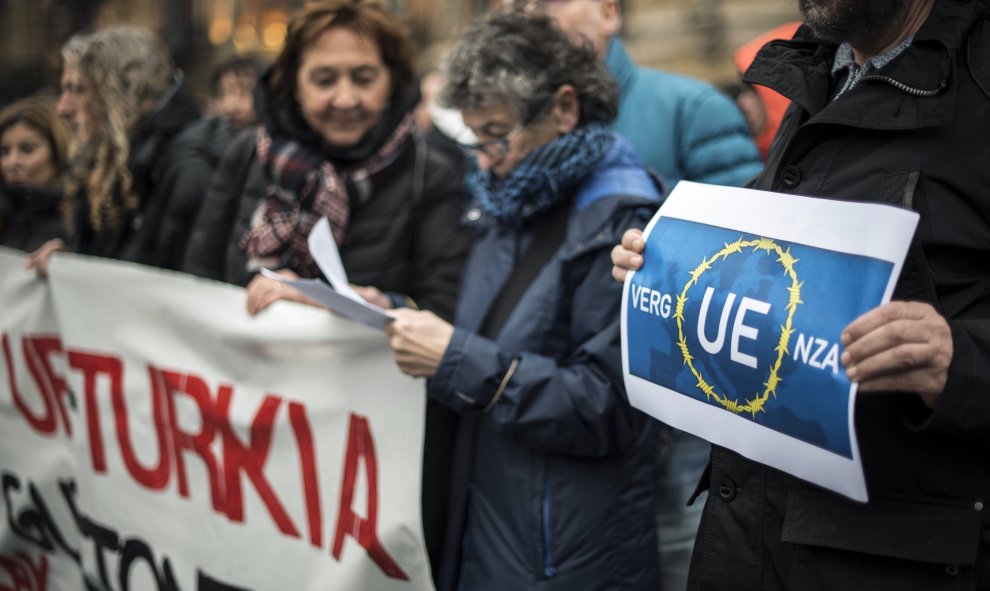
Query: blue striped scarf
(544,177)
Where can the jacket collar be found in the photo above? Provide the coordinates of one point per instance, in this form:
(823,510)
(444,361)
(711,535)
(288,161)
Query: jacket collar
(15,199)
(620,65)
(800,70)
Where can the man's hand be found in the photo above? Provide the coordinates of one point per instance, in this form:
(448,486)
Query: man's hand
(628,256)
(419,340)
(899,347)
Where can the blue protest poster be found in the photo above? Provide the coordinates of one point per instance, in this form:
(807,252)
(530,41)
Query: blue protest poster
(732,327)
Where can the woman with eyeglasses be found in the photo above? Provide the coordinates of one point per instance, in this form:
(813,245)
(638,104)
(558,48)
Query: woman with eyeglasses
(552,485)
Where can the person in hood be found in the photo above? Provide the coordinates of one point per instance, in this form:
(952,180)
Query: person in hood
(552,483)
(134,183)
(34,149)
(338,139)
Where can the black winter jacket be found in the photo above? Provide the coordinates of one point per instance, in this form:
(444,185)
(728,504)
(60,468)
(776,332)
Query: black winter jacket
(29,216)
(404,237)
(915,135)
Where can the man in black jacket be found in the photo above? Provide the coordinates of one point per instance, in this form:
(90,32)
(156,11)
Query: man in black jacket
(891,104)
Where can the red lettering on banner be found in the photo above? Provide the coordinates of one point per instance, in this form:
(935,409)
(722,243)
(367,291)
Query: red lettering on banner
(234,458)
(361,446)
(307,464)
(199,443)
(155,478)
(44,424)
(93,365)
(50,389)
(251,460)
(37,353)
(24,575)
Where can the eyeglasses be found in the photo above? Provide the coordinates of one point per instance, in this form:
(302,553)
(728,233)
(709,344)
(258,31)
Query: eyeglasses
(497,148)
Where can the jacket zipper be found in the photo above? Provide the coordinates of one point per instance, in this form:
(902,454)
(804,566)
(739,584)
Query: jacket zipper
(548,568)
(901,86)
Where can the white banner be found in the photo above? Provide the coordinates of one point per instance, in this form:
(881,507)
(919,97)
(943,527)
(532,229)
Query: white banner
(731,329)
(153,436)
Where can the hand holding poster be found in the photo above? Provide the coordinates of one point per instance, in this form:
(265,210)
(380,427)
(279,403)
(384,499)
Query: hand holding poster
(732,326)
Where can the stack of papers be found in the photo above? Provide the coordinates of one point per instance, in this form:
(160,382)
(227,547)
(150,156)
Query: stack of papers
(340,298)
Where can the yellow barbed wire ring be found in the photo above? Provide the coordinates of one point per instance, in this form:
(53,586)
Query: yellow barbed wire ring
(787,261)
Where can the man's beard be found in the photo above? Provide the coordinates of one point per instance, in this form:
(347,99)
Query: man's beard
(865,24)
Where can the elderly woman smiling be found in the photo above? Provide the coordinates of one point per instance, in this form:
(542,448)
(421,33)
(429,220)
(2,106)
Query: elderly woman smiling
(551,487)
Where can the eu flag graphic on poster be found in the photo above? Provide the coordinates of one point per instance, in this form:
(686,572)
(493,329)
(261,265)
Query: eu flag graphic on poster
(751,325)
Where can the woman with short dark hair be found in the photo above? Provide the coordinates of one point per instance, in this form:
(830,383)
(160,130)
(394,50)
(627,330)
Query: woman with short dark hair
(338,140)
(552,485)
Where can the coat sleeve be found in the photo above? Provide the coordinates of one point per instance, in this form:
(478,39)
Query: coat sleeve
(575,406)
(206,252)
(716,145)
(963,408)
(440,242)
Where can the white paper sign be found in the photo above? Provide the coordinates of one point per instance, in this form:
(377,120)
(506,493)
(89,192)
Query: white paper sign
(732,327)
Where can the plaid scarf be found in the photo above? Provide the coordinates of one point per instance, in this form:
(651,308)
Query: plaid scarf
(304,187)
(544,177)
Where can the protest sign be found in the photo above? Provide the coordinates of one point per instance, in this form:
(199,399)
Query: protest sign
(732,326)
(153,436)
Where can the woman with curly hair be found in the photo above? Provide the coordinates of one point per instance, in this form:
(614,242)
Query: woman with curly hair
(34,149)
(135,181)
(552,484)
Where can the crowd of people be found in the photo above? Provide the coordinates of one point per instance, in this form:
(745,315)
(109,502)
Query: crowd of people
(499,261)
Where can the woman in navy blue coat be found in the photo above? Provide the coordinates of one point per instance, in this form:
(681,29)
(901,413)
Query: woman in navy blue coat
(552,486)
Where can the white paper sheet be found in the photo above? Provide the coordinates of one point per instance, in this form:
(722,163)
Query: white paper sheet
(323,249)
(354,309)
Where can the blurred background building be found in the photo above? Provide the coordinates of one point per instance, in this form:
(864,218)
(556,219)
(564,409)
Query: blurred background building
(696,37)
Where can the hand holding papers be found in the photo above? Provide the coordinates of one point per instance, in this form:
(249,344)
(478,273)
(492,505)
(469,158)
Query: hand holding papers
(340,298)
(732,326)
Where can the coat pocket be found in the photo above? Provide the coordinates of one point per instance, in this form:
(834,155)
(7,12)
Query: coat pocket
(889,543)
